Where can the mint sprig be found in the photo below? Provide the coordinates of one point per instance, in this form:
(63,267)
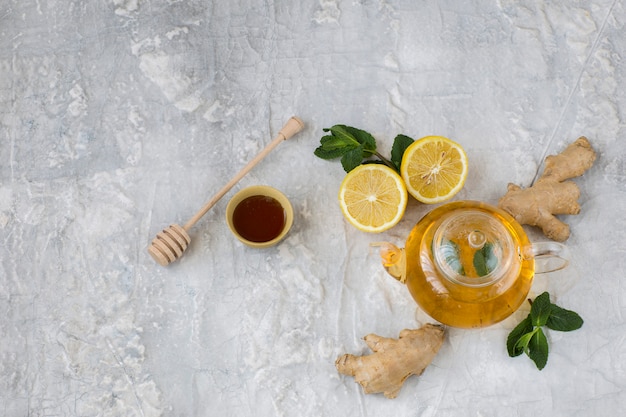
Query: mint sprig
(528,336)
(355,147)
(400,143)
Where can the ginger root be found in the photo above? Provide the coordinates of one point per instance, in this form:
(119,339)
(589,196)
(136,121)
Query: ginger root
(551,194)
(393,360)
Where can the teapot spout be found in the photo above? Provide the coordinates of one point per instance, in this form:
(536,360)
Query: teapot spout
(393,259)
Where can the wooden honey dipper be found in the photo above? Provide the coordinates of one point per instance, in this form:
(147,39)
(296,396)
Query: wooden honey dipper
(170,244)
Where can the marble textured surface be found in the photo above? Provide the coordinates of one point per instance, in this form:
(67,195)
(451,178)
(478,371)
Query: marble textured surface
(119,117)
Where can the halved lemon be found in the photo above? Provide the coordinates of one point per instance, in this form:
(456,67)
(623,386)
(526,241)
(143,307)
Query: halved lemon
(434,169)
(373,197)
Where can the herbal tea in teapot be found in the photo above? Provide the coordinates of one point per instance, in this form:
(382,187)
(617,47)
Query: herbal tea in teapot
(467,264)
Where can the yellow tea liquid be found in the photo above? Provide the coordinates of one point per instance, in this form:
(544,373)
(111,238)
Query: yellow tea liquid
(475,273)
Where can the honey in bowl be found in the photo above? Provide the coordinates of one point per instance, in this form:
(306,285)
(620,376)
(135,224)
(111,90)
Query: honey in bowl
(259,216)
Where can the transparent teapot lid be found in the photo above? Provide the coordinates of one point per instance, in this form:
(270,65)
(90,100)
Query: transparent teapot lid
(472,248)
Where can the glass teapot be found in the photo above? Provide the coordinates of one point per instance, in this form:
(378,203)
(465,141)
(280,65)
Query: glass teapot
(469,264)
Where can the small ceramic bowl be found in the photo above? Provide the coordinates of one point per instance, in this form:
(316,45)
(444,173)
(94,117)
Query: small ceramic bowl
(257,217)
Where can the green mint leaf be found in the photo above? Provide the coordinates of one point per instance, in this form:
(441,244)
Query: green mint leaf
(563,320)
(335,145)
(400,143)
(329,152)
(523,342)
(491,259)
(541,309)
(351,144)
(538,349)
(525,327)
(355,137)
(364,138)
(480,264)
(485,260)
(452,256)
(352,159)
(340,136)
(337,140)
(528,336)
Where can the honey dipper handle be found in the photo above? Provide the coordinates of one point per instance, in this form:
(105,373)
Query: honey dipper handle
(293,126)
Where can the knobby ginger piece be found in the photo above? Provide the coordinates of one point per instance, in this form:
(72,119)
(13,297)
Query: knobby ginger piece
(551,195)
(393,360)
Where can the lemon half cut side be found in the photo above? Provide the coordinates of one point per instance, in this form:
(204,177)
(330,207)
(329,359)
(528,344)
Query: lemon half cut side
(434,169)
(373,197)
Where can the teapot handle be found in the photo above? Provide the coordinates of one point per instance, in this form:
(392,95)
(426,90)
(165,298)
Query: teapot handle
(550,256)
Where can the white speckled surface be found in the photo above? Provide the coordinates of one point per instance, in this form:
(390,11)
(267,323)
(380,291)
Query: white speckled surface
(120,117)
